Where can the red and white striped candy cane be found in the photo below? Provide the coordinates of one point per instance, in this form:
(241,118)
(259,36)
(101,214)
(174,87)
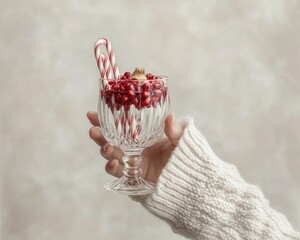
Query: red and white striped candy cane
(97,51)
(100,64)
(105,72)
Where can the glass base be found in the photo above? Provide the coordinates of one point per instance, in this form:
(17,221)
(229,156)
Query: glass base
(130,186)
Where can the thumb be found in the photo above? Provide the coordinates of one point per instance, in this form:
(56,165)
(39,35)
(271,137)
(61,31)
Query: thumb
(173,129)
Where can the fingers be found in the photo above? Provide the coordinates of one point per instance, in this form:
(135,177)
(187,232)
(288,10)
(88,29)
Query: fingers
(114,168)
(109,152)
(93,117)
(112,154)
(173,129)
(96,135)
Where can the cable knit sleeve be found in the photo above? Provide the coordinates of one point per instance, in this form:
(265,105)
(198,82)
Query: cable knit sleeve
(202,197)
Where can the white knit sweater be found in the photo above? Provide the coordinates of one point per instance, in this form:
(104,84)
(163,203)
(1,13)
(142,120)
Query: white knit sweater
(202,197)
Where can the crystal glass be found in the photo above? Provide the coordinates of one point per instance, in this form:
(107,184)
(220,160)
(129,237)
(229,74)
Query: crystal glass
(132,115)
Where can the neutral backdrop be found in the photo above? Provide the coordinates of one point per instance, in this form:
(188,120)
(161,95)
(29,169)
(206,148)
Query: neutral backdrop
(234,66)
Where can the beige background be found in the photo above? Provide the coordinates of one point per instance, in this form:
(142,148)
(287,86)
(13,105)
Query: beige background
(233,65)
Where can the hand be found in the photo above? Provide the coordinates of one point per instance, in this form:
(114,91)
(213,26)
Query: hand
(154,157)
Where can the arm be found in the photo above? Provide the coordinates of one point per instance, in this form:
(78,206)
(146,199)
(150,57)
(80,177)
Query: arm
(202,197)
(198,194)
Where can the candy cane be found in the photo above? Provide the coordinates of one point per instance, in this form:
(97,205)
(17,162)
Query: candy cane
(105,72)
(97,52)
(100,64)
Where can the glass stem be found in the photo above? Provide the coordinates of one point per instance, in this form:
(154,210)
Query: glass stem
(132,161)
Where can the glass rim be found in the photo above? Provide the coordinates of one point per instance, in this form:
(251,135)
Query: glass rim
(161,77)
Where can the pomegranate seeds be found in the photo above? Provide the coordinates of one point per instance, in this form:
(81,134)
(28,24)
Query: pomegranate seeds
(138,89)
(127,75)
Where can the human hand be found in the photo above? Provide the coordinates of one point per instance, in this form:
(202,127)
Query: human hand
(154,157)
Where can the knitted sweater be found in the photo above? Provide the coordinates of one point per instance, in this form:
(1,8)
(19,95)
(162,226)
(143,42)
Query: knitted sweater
(202,197)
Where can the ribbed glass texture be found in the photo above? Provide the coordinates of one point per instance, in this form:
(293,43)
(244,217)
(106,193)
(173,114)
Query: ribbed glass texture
(136,120)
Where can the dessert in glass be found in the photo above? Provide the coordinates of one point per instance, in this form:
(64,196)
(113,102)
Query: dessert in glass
(132,111)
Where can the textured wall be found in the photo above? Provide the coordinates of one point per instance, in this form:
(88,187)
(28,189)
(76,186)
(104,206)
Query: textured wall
(233,65)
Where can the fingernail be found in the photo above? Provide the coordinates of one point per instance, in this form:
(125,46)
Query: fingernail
(105,147)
